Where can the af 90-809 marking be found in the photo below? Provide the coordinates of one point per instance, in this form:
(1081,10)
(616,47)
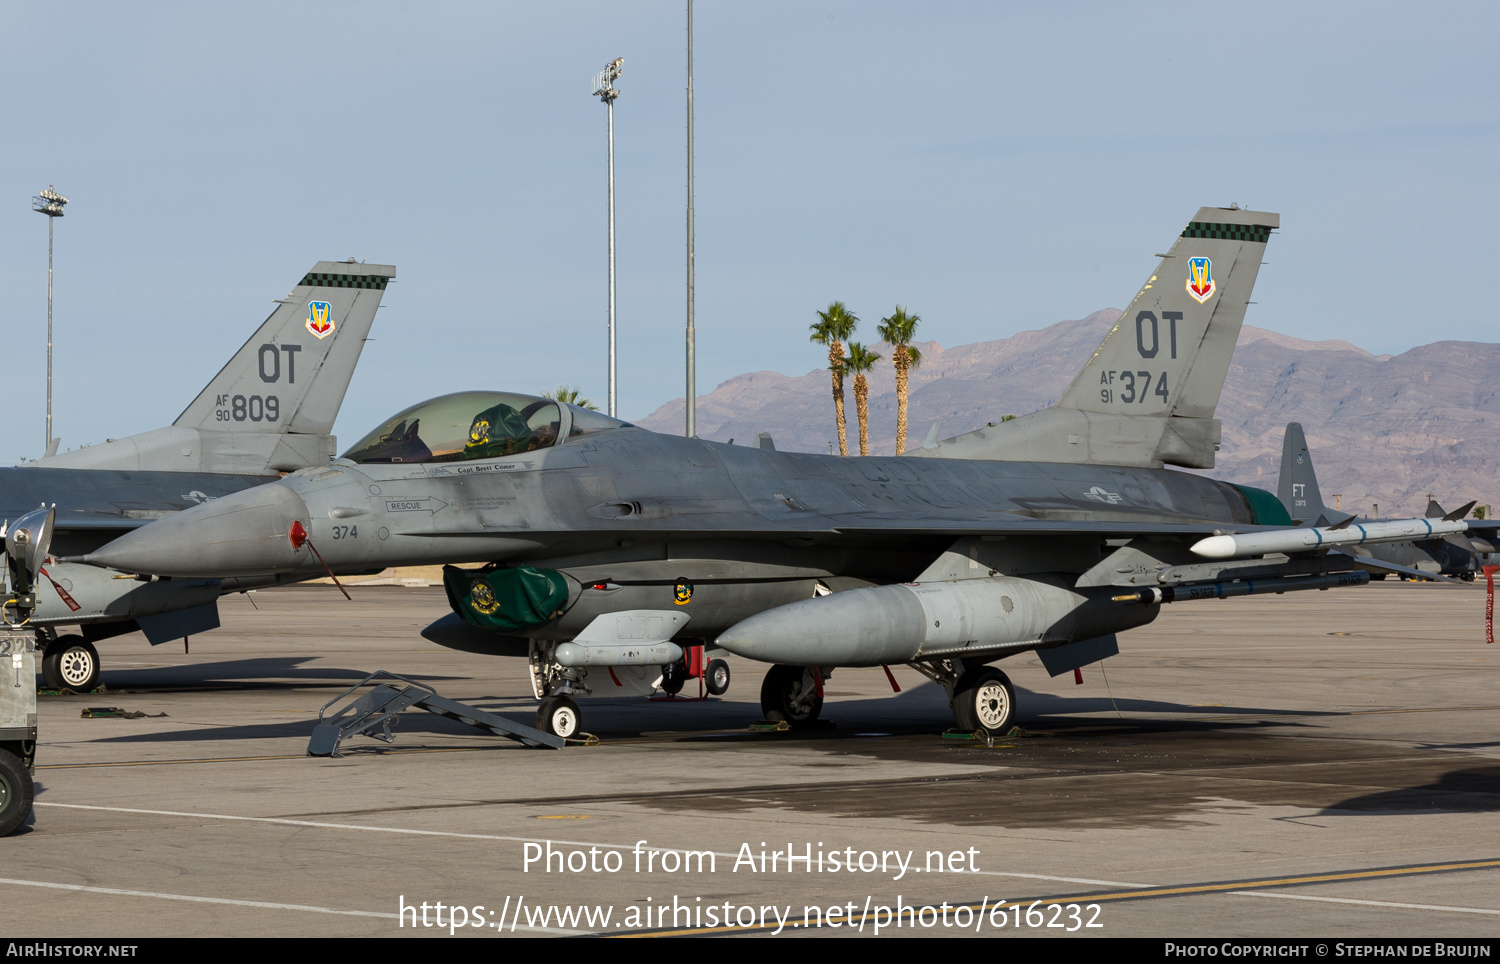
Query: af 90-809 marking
(256,408)
(261,408)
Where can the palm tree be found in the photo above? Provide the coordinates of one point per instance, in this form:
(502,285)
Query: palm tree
(833,328)
(898,331)
(861,360)
(569,395)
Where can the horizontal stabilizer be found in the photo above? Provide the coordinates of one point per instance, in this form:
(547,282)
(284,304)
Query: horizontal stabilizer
(1458,513)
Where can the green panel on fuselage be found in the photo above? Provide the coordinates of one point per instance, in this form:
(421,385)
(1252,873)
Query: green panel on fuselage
(1265,508)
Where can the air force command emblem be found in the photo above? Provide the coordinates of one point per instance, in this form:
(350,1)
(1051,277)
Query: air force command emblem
(320,318)
(1200,279)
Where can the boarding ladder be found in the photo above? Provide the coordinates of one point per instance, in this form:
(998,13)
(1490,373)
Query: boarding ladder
(373,714)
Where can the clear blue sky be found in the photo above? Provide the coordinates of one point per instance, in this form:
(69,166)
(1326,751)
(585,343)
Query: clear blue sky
(996,167)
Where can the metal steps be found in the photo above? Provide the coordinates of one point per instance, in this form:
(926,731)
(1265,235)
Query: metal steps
(373,714)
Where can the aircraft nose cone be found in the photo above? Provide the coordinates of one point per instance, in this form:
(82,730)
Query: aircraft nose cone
(247,533)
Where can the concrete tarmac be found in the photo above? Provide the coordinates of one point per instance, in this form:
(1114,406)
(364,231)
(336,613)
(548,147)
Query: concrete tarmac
(1320,764)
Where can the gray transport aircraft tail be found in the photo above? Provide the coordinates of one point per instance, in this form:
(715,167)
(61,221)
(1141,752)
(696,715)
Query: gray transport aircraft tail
(1297,485)
(272,408)
(1147,395)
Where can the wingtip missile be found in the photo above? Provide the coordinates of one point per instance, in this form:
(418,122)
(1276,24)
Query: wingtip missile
(1244,544)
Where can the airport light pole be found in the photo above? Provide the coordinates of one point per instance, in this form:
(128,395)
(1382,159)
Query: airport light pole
(50,203)
(692,364)
(604,89)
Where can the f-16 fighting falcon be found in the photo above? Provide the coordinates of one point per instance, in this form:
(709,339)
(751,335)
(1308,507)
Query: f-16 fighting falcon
(610,549)
(269,411)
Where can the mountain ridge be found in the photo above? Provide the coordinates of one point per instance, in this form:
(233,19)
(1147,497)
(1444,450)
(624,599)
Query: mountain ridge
(1384,430)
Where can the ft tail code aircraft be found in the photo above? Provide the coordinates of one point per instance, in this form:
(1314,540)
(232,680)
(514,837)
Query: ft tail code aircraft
(1440,548)
(611,548)
(269,411)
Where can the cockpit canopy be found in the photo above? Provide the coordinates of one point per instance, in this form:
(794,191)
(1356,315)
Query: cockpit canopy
(475,425)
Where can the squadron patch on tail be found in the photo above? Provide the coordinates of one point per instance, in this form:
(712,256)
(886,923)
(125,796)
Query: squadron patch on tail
(1200,279)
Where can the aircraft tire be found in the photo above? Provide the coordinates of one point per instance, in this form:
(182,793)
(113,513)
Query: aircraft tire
(789,693)
(984,700)
(15,793)
(717,677)
(559,716)
(71,663)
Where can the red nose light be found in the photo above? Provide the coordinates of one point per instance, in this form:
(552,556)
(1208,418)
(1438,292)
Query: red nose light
(297,535)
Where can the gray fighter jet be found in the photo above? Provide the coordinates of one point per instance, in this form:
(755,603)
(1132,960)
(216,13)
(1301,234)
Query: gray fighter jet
(1448,555)
(268,412)
(611,549)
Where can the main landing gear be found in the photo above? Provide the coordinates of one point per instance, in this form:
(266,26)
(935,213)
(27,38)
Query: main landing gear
(71,663)
(981,697)
(984,700)
(793,694)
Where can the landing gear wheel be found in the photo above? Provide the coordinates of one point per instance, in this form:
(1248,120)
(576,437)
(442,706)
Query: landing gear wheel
(559,716)
(716,680)
(984,700)
(790,693)
(72,663)
(15,793)
(673,675)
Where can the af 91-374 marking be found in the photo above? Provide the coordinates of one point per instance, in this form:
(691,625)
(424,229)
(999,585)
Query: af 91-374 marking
(1137,385)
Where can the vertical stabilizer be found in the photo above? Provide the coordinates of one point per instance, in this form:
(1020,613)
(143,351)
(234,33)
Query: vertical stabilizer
(1169,352)
(1148,393)
(292,374)
(272,408)
(1297,485)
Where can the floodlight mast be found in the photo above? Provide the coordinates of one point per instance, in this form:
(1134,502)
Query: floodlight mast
(604,89)
(50,203)
(692,363)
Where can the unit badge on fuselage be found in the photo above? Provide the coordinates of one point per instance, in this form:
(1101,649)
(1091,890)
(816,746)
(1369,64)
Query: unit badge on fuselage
(320,318)
(682,592)
(482,598)
(1200,279)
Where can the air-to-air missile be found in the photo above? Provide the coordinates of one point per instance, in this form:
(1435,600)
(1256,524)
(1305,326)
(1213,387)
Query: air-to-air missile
(1244,544)
(1453,554)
